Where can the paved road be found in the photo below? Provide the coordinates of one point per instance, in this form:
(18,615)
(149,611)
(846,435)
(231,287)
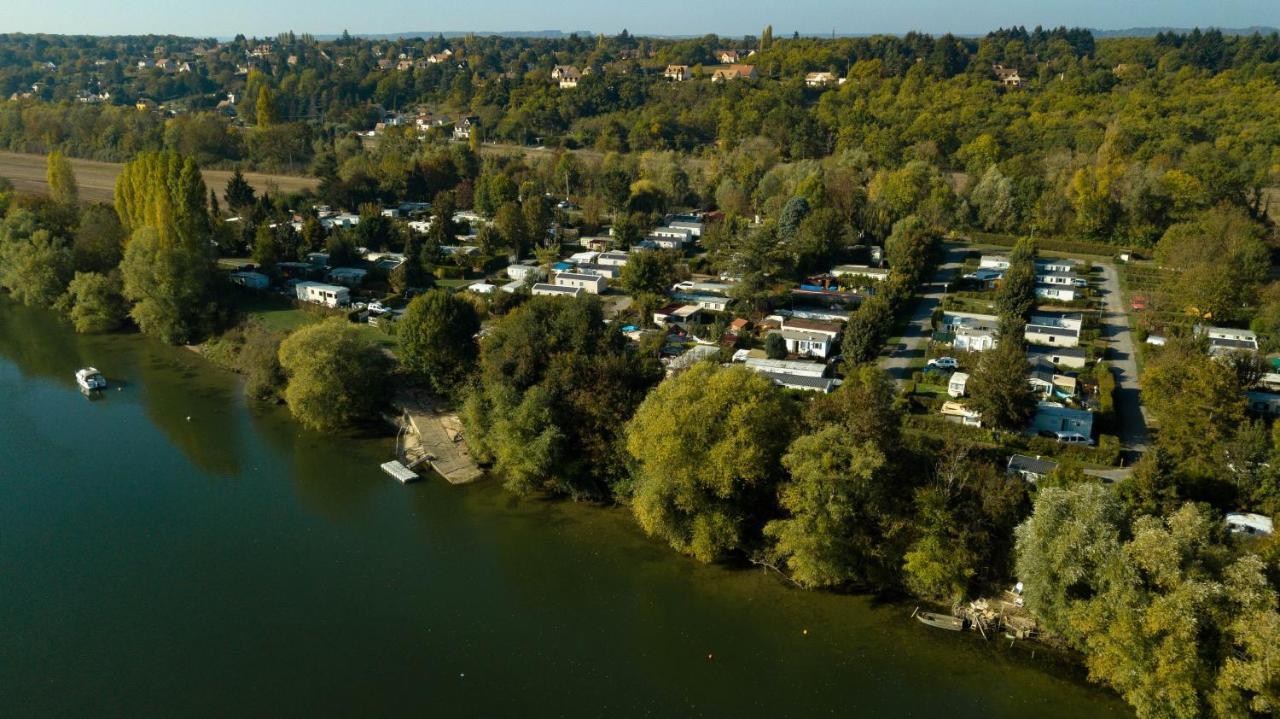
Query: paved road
(1120,355)
(897,360)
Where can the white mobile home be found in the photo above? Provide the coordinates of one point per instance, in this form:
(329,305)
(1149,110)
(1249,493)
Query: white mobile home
(543,289)
(595,284)
(323,294)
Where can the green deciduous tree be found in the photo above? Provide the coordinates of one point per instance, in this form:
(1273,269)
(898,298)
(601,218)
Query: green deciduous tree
(36,269)
(99,242)
(1062,548)
(438,338)
(96,302)
(999,387)
(169,285)
(555,388)
(867,330)
(337,376)
(708,445)
(648,271)
(62,179)
(1197,403)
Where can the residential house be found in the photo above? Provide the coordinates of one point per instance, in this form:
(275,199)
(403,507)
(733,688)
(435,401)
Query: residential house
(1056,330)
(462,128)
(693,226)
(677,73)
(614,257)
(824,385)
(610,272)
(820,79)
(594,284)
(482,288)
(1228,339)
(523,273)
(1056,292)
(1031,469)
(734,72)
(597,244)
(1067,267)
(957,412)
(1007,76)
(711,303)
(790,367)
(728,57)
(958,385)
(971,332)
(545,290)
(1049,277)
(1046,381)
(677,313)
(1053,417)
(440,57)
(872,273)
(684,234)
(166,65)
(323,294)
(993,262)
(1072,357)
(809,338)
(807,376)
(806,344)
(349,276)
(567,75)
(665,242)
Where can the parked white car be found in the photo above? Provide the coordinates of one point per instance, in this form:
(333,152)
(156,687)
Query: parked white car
(1073,438)
(943,363)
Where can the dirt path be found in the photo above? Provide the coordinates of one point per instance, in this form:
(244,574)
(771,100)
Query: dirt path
(97,179)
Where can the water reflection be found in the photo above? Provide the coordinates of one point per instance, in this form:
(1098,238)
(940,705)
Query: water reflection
(192,403)
(333,474)
(37,348)
(181,394)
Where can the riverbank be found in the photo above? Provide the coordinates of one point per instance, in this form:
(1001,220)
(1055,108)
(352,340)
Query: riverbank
(235,562)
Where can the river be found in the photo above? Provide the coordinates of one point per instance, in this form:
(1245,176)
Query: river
(171,550)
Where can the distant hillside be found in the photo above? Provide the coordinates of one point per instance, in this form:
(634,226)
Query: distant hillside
(539,34)
(1150,31)
(559,34)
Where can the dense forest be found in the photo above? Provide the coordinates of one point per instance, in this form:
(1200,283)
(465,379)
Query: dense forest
(1105,139)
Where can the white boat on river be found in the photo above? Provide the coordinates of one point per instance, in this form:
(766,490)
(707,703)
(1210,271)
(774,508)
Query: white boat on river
(90,379)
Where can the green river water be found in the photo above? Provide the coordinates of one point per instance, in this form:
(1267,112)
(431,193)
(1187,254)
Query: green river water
(234,565)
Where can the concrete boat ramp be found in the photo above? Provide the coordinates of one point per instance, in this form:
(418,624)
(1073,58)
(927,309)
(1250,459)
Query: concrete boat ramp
(430,434)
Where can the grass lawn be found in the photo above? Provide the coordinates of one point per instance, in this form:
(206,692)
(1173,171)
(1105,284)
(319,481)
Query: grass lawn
(279,313)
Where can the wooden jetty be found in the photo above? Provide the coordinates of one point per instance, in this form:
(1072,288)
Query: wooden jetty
(429,433)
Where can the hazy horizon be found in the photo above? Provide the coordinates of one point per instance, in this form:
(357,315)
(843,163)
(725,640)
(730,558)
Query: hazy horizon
(659,17)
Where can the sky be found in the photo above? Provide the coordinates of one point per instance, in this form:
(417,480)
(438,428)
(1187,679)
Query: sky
(264,18)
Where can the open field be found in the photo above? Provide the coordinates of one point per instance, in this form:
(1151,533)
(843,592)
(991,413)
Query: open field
(97,179)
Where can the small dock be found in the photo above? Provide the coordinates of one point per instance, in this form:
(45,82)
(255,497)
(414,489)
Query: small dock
(399,471)
(431,434)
